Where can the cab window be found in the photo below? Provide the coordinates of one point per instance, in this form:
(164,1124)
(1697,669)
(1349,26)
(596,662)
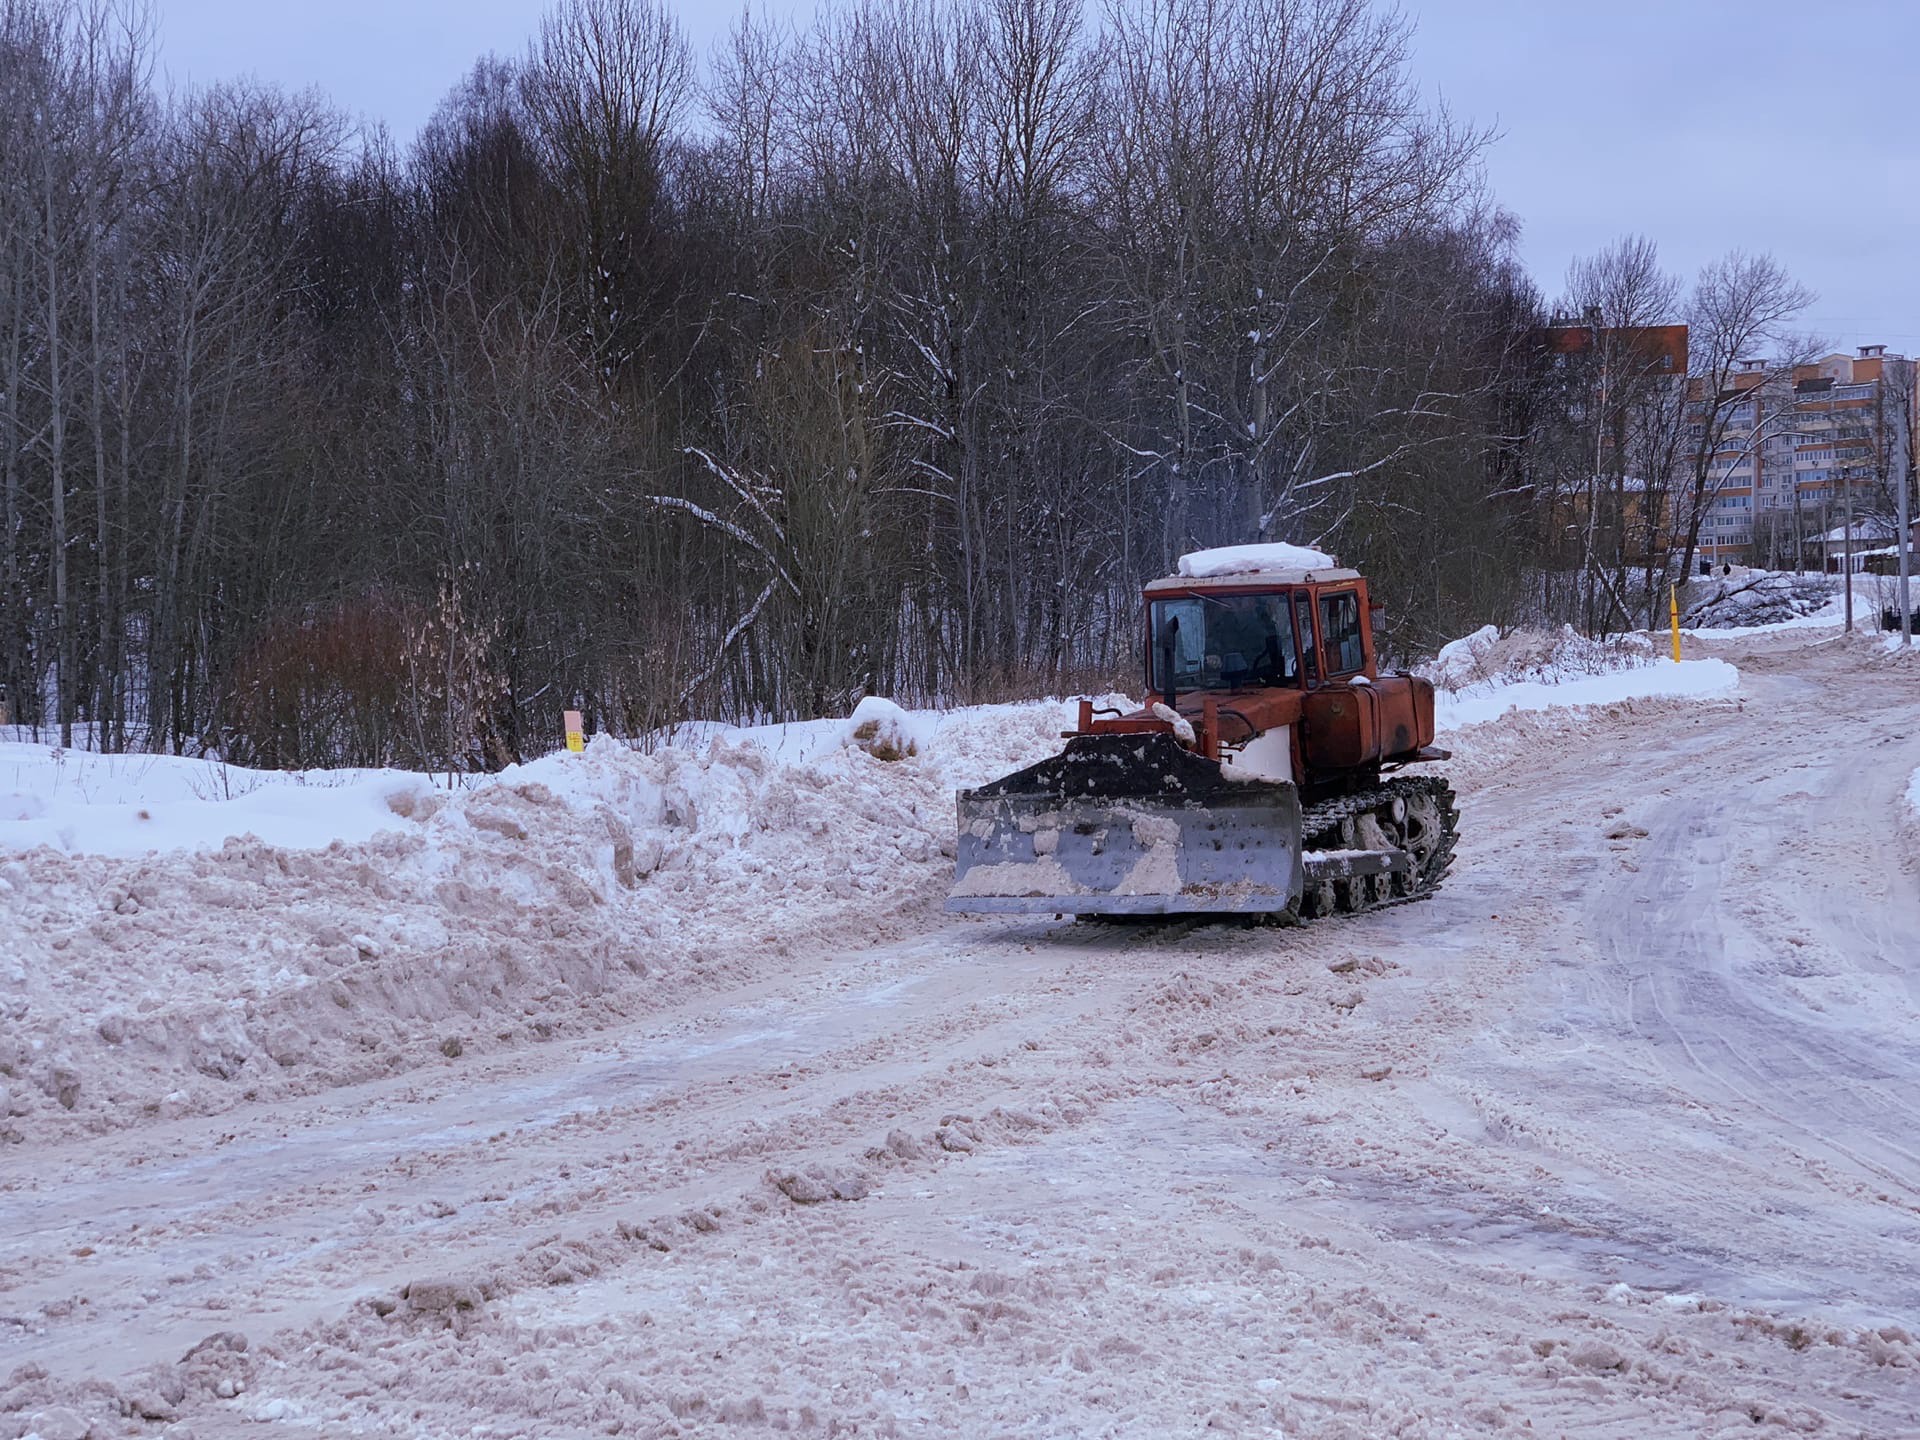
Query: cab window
(1309,652)
(1222,642)
(1340,632)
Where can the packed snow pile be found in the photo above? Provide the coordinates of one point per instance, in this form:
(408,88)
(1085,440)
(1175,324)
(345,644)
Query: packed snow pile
(1485,675)
(1748,598)
(883,729)
(197,962)
(1253,560)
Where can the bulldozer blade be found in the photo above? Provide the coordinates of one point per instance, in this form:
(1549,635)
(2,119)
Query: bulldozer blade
(1127,825)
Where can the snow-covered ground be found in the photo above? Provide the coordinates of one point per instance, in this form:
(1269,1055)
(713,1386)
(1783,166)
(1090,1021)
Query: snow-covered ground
(187,934)
(651,1094)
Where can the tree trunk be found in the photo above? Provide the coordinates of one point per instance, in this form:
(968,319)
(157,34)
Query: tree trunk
(105,675)
(56,459)
(15,643)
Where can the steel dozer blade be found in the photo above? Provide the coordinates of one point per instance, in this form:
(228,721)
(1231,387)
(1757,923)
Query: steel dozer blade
(1127,825)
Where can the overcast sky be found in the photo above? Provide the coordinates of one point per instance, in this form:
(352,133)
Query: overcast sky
(1704,124)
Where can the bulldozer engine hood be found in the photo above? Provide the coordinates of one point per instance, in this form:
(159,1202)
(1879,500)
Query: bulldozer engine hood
(1243,714)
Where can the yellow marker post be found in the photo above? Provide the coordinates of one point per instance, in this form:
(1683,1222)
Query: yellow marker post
(1673,604)
(576,732)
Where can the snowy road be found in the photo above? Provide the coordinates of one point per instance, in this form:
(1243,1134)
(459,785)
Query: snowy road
(1737,995)
(1616,1137)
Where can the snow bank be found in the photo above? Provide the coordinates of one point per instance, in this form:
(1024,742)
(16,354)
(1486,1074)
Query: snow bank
(1487,657)
(181,966)
(80,802)
(1484,675)
(76,800)
(1752,598)
(1757,602)
(877,725)
(1253,559)
(1464,660)
(1690,679)
(1913,794)
(964,747)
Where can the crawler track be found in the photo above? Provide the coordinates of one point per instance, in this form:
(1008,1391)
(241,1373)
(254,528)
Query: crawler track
(1415,813)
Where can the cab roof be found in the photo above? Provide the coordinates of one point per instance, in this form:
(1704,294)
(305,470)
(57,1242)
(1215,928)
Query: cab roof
(1248,580)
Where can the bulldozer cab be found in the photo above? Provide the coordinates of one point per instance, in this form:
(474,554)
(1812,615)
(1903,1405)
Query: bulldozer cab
(1209,637)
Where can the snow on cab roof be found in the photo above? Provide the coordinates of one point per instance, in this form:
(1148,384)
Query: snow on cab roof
(1253,560)
(1244,564)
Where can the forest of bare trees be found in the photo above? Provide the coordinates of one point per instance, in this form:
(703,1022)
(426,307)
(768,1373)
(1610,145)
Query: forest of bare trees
(889,355)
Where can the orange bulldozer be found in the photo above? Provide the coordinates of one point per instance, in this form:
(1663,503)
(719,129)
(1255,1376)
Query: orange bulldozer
(1260,779)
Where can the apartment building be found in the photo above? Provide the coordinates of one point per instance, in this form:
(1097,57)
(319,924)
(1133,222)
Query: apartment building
(1759,408)
(1801,446)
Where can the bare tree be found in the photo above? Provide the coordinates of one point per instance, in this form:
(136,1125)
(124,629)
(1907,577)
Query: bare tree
(607,84)
(1629,403)
(1739,312)
(891,357)
(1259,157)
